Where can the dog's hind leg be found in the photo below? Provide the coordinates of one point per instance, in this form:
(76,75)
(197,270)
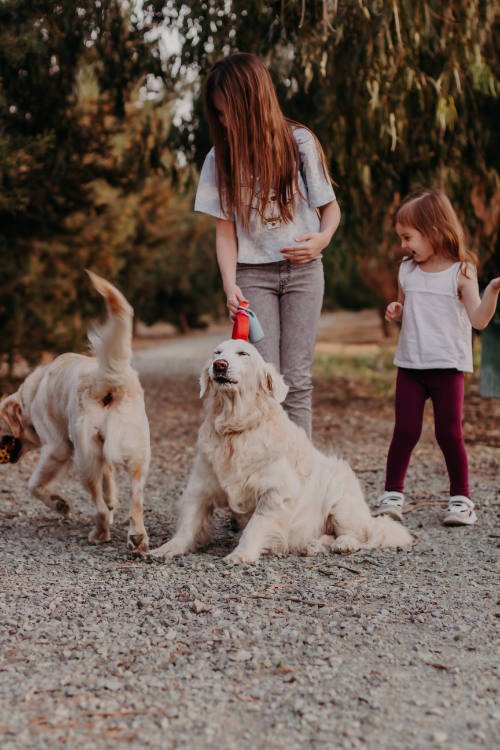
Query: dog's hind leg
(137,538)
(52,460)
(109,489)
(90,465)
(349,518)
(100,533)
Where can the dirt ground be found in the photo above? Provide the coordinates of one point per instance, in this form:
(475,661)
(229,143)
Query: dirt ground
(380,650)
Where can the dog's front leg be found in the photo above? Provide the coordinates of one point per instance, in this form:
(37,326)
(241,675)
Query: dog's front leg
(261,528)
(194,527)
(196,513)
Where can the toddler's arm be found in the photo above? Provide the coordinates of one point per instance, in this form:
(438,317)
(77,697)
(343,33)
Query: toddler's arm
(394,310)
(480,311)
(226,245)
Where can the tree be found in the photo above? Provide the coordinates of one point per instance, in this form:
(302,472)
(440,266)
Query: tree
(75,150)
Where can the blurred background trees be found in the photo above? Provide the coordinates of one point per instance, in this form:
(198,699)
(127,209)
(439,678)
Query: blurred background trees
(102,134)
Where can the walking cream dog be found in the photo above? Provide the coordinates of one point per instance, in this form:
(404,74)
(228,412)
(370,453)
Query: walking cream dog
(252,459)
(91,409)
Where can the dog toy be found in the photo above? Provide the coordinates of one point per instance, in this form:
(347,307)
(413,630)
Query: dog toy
(246,324)
(10,449)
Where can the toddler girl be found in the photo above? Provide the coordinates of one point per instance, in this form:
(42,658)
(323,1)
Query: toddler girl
(438,302)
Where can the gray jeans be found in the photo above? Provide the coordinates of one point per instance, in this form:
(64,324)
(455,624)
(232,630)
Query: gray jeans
(287,299)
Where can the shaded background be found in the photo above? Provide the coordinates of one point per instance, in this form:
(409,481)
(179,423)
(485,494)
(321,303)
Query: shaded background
(102,136)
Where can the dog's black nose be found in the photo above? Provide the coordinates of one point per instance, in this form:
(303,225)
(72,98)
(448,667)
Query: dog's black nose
(220,366)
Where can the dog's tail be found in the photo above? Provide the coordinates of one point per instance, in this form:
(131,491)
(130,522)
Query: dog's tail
(111,342)
(385,532)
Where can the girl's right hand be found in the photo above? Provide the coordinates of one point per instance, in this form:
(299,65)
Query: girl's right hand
(234,296)
(394,311)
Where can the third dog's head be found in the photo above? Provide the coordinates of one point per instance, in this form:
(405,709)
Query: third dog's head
(19,434)
(236,367)
(11,418)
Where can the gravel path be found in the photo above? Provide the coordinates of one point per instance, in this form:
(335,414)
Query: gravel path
(377,650)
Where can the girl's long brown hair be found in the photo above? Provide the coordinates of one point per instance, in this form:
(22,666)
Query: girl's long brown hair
(431,213)
(256,155)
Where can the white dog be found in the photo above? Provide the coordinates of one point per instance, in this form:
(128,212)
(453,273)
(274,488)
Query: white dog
(91,409)
(253,460)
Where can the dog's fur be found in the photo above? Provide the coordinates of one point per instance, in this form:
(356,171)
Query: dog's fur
(252,459)
(90,409)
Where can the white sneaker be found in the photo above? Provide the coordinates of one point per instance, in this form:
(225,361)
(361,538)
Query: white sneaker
(460,512)
(390,503)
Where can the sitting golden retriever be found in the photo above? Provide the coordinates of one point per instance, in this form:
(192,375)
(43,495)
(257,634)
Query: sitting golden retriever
(90,409)
(252,459)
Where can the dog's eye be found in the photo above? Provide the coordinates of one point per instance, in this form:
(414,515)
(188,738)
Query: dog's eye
(217,353)
(243,354)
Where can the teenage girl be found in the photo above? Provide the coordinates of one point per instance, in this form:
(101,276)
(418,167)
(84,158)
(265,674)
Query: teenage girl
(438,302)
(267,183)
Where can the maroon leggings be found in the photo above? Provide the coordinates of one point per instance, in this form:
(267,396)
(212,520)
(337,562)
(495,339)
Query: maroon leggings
(446,390)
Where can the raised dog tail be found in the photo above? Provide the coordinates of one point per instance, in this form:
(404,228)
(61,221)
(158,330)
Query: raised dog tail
(385,532)
(111,342)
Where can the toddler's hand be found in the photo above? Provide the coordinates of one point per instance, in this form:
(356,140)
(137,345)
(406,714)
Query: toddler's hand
(495,284)
(394,311)
(234,296)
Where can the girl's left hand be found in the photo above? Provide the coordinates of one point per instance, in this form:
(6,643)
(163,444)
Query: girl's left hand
(495,283)
(309,247)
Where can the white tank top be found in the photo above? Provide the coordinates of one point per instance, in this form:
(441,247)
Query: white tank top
(435,331)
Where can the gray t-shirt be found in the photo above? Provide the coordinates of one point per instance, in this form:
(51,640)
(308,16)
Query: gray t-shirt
(267,234)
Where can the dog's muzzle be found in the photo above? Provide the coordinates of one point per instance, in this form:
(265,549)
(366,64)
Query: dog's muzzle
(219,369)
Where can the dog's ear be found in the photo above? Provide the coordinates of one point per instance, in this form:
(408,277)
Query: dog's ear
(275,384)
(12,414)
(204,379)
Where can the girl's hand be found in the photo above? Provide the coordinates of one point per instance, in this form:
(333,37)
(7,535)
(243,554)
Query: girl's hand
(234,296)
(309,247)
(394,311)
(495,284)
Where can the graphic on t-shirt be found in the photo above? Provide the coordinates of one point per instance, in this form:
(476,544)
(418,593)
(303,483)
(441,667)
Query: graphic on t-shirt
(270,216)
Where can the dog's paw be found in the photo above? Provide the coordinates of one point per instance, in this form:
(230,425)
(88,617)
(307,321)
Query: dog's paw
(60,505)
(167,551)
(345,544)
(316,547)
(238,558)
(99,536)
(138,544)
